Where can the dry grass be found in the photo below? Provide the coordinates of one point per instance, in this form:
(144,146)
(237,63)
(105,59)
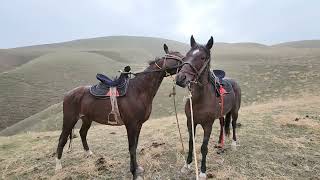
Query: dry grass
(273,146)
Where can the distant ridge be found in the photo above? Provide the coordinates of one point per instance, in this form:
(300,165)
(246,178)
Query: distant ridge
(300,44)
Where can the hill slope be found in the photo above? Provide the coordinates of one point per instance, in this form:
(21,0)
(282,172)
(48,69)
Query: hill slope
(40,82)
(263,72)
(300,44)
(277,141)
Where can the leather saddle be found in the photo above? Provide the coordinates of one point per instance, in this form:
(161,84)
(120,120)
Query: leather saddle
(102,89)
(216,77)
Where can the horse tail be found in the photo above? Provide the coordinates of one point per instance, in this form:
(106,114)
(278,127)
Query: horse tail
(227,124)
(71,137)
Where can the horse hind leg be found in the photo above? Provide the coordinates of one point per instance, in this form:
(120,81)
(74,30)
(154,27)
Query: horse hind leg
(86,124)
(68,124)
(234,126)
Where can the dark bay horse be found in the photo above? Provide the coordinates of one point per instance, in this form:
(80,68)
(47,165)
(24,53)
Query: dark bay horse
(135,107)
(206,107)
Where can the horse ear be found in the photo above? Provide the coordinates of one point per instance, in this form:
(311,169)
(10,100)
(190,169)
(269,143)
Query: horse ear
(166,49)
(192,41)
(210,43)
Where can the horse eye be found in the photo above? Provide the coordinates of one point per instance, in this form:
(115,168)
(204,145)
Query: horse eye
(203,58)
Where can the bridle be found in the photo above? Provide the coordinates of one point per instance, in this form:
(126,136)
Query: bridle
(196,73)
(164,68)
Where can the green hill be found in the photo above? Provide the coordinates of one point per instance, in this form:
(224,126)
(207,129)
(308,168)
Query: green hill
(31,86)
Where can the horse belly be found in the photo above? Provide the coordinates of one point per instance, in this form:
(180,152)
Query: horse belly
(229,102)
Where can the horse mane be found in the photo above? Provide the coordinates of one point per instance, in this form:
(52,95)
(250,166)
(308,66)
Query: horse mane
(154,61)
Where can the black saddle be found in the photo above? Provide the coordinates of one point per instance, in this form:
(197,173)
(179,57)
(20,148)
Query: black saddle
(219,74)
(102,89)
(216,77)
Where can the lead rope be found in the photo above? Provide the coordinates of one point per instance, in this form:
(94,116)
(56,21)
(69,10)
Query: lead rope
(193,135)
(175,111)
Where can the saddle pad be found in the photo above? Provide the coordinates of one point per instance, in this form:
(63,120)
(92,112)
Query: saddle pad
(103,91)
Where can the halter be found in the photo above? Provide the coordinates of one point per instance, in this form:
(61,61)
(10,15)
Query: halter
(163,68)
(196,73)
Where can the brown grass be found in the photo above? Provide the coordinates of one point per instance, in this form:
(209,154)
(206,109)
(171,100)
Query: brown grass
(273,146)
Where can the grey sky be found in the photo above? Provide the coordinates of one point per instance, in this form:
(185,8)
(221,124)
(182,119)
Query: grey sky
(28,22)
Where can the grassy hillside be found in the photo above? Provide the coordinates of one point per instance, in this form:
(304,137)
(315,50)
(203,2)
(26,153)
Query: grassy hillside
(148,44)
(300,44)
(278,140)
(9,59)
(37,83)
(263,72)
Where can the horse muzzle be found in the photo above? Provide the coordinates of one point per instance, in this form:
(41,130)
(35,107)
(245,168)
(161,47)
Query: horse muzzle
(181,80)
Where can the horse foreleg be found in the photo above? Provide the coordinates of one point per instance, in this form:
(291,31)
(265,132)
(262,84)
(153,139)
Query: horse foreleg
(132,139)
(140,170)
(187,166)
(221,136)
(204,150)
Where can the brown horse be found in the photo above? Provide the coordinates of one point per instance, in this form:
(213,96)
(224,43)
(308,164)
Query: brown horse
(135,107)
(206,107)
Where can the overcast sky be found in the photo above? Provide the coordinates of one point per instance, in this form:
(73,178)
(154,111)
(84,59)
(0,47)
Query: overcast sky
(29,22)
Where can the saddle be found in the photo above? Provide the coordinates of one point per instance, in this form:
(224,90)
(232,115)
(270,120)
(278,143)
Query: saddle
(221,85)
(108,88)
(103,88)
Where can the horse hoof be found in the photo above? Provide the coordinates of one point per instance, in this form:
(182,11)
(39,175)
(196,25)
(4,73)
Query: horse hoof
(139,170)
(218,146)
(186,168)
(234,145)
(58,165)
(139,178)
(88,153)
(220,151)
(202,176)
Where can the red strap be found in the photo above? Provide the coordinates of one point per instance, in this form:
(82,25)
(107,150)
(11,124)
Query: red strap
(222,92)
(116,93)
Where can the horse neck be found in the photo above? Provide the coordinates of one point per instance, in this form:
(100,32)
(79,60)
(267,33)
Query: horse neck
(149,83)
(200,91)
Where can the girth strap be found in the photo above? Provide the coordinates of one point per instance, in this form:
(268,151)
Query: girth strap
(114,117)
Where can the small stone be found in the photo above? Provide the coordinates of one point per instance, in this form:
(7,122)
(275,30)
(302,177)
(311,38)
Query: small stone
(297,119)
(113,133)
(294,163)
(210,175)
(307,116)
